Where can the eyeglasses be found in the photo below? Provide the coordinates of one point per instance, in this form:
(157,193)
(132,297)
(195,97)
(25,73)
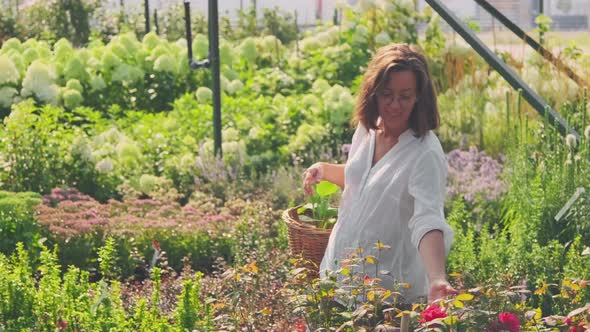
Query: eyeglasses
(387,98)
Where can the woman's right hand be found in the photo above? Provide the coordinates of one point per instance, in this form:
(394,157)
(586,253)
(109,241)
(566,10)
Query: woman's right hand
(311,176)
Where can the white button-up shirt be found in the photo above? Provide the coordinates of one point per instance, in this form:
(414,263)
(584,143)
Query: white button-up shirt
(396,201)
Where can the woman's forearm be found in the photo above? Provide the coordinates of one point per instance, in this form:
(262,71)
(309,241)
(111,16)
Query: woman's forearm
(432,250)
(334,173)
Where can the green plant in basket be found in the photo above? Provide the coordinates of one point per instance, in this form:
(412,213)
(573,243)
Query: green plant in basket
(318,209)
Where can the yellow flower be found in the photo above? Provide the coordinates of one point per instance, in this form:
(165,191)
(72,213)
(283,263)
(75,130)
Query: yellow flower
(380,246)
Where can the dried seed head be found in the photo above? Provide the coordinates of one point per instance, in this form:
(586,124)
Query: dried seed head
(571,141)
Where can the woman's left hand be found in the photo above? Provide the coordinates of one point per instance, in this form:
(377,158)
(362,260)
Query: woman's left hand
(439,289)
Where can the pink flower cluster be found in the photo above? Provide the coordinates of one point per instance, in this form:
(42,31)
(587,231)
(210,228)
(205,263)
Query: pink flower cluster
(82,215)
(474,174)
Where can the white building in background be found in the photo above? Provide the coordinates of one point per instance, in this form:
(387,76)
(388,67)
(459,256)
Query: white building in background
(308,11)
(566,14)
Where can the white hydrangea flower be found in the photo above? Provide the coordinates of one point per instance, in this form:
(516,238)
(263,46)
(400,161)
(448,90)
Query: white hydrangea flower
(334,93)
(151,40)
(148,183)
(224,82)
(587,132)
(204,95)
(112,135)
(254,133)
(310,100)
(12,44)
(30,55)
(320,86)
(39,81)
(187,161)
(189,141)
(231,74)
(383,38)
(226,54)
(127,73)
(248,50)
(207,146)
(324,38)
(76,69)
(200,46)
(44,50)
(360,34)
(105,166)
(159,51)
(387,6)
(97,83)
(407,3)
(128,149)
(63,49)
(75,85)
(235,86)
(230,148)
(19,61)
(7,95)
(270,43)
(166,63)
(244,123)
(310,43)
(72,98)
(170,124)
(110,60)
(8,71)
(130,42)
(119,49)
(230,134)
(306,134)
(81,149)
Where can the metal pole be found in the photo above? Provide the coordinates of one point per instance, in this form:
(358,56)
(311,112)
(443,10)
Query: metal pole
(532,43)
(189,36)
(507,73)
(214,58)
(541,34)
(147,15)
(156,25)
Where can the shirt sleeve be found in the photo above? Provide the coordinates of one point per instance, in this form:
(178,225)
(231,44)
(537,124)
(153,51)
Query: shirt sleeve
(427,185)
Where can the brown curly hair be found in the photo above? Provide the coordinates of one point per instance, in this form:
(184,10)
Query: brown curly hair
(395,58)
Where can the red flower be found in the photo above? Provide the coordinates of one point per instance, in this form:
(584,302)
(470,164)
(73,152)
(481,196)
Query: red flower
(509,321)
(433,312)
(300,326)
(61,324)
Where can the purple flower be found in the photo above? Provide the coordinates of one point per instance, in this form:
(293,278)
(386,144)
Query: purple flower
(474,174)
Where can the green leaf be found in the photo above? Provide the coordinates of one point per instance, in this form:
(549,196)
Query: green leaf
(305,218)
(325,188)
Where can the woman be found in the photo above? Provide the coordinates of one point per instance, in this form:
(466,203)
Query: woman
(394,181)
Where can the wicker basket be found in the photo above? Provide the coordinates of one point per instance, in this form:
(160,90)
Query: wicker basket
(305,238)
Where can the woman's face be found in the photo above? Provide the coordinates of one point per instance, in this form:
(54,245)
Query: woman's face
(396,100)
